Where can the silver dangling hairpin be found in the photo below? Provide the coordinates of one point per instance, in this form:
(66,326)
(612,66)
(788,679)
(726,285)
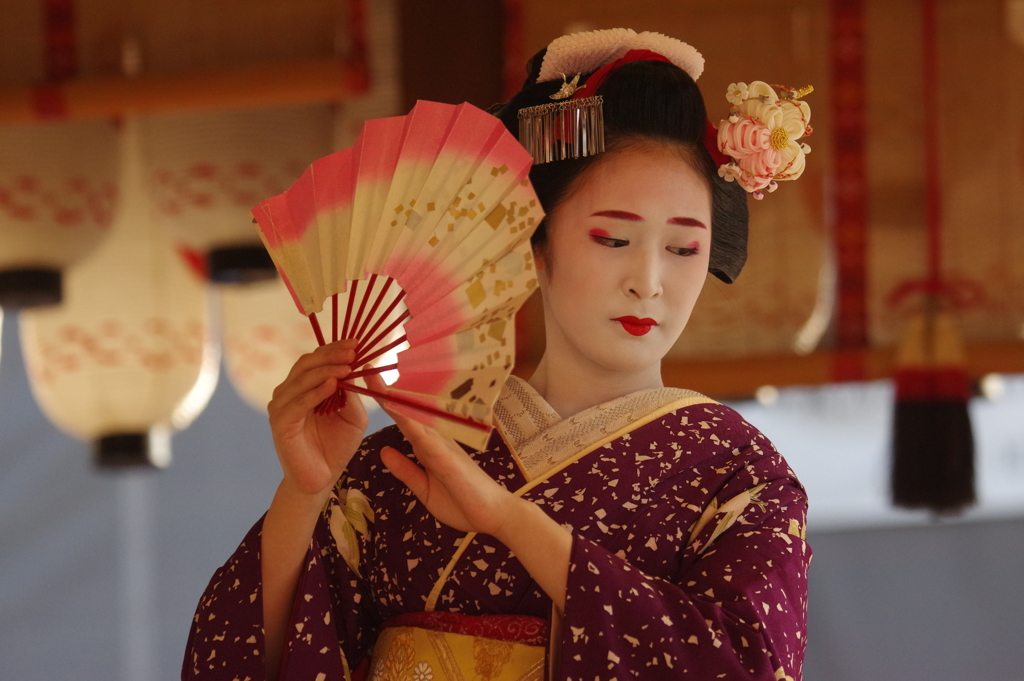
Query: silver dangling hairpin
(571,128)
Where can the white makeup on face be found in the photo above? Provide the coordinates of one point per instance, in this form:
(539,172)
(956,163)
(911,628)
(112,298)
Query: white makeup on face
(627,257)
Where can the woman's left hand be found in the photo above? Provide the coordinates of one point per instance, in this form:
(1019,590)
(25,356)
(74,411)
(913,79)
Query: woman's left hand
(450,484)
(459,494)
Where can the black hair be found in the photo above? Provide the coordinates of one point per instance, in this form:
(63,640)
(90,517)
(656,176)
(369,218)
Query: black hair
(644,102)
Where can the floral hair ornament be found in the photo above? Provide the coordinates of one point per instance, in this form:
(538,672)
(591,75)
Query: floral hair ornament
(761,136)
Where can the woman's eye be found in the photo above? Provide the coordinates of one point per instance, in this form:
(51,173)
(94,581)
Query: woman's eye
(684,251)
(609,241)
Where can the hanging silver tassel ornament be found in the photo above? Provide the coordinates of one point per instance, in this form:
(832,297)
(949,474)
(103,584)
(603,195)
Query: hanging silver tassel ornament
(563,130)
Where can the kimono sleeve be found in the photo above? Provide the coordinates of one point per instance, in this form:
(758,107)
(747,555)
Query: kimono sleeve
(332,624)
(735,609)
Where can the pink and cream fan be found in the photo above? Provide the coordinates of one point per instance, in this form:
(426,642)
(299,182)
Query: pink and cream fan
(419,237)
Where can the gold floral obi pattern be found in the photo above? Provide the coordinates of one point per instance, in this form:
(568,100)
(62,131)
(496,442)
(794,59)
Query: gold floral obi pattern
(445,646)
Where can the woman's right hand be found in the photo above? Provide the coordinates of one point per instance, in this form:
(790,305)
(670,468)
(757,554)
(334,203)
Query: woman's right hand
(314,449)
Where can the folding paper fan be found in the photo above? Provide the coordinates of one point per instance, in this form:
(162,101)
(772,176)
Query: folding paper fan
(425,224)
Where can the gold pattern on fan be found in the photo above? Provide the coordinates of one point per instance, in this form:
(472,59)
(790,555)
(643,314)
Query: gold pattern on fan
(437,205)
(489,353)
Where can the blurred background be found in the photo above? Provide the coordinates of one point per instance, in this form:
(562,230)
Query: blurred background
(135,136)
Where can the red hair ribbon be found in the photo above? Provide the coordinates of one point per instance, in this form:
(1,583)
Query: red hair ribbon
(597,80)
(711,144)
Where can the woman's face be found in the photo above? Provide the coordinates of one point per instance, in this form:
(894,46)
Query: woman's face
(626,257)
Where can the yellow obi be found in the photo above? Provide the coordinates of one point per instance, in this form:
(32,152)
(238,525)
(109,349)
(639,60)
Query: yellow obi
(445,646)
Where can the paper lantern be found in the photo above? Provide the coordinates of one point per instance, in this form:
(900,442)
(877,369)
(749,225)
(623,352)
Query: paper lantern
(262,338)
(57,194)
(127,358)
(206,171)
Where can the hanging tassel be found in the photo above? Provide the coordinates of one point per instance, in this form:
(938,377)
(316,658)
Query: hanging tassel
(933,446)
(563,130)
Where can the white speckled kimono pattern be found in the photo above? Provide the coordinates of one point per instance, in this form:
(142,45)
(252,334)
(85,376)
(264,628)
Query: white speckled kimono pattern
(688,561)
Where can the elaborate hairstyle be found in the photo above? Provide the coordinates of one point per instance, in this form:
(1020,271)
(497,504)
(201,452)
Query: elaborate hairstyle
(644,102)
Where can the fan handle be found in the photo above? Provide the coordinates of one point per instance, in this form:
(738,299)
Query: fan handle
(339,398)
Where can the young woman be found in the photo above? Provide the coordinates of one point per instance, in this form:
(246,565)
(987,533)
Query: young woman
(613,527)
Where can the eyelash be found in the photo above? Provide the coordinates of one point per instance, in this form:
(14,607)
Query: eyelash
(619,243)
(608,241)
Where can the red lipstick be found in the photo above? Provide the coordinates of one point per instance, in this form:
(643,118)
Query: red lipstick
(634,326)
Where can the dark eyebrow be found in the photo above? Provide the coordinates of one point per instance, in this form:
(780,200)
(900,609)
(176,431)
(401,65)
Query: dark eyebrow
(633,217)
(687,222)
(618,215)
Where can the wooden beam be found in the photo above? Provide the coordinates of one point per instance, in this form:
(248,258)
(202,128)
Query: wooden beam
(451,51)
(739,378)
(304,82)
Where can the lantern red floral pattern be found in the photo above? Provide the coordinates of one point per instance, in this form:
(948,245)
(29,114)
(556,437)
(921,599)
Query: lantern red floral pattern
(262,338)
(206,171)
(58,192)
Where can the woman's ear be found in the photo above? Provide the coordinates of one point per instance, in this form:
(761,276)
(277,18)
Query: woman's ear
(538,259)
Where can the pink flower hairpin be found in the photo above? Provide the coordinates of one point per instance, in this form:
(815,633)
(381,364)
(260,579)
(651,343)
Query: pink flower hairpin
(761,136)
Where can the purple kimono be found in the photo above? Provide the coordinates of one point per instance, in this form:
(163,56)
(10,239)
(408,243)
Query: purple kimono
(688,559)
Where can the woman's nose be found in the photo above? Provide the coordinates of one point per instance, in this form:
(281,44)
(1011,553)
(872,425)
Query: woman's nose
(644,279)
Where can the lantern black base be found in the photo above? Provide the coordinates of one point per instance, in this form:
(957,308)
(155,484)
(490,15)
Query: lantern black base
(30,287)
(133,450)
(240,265)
